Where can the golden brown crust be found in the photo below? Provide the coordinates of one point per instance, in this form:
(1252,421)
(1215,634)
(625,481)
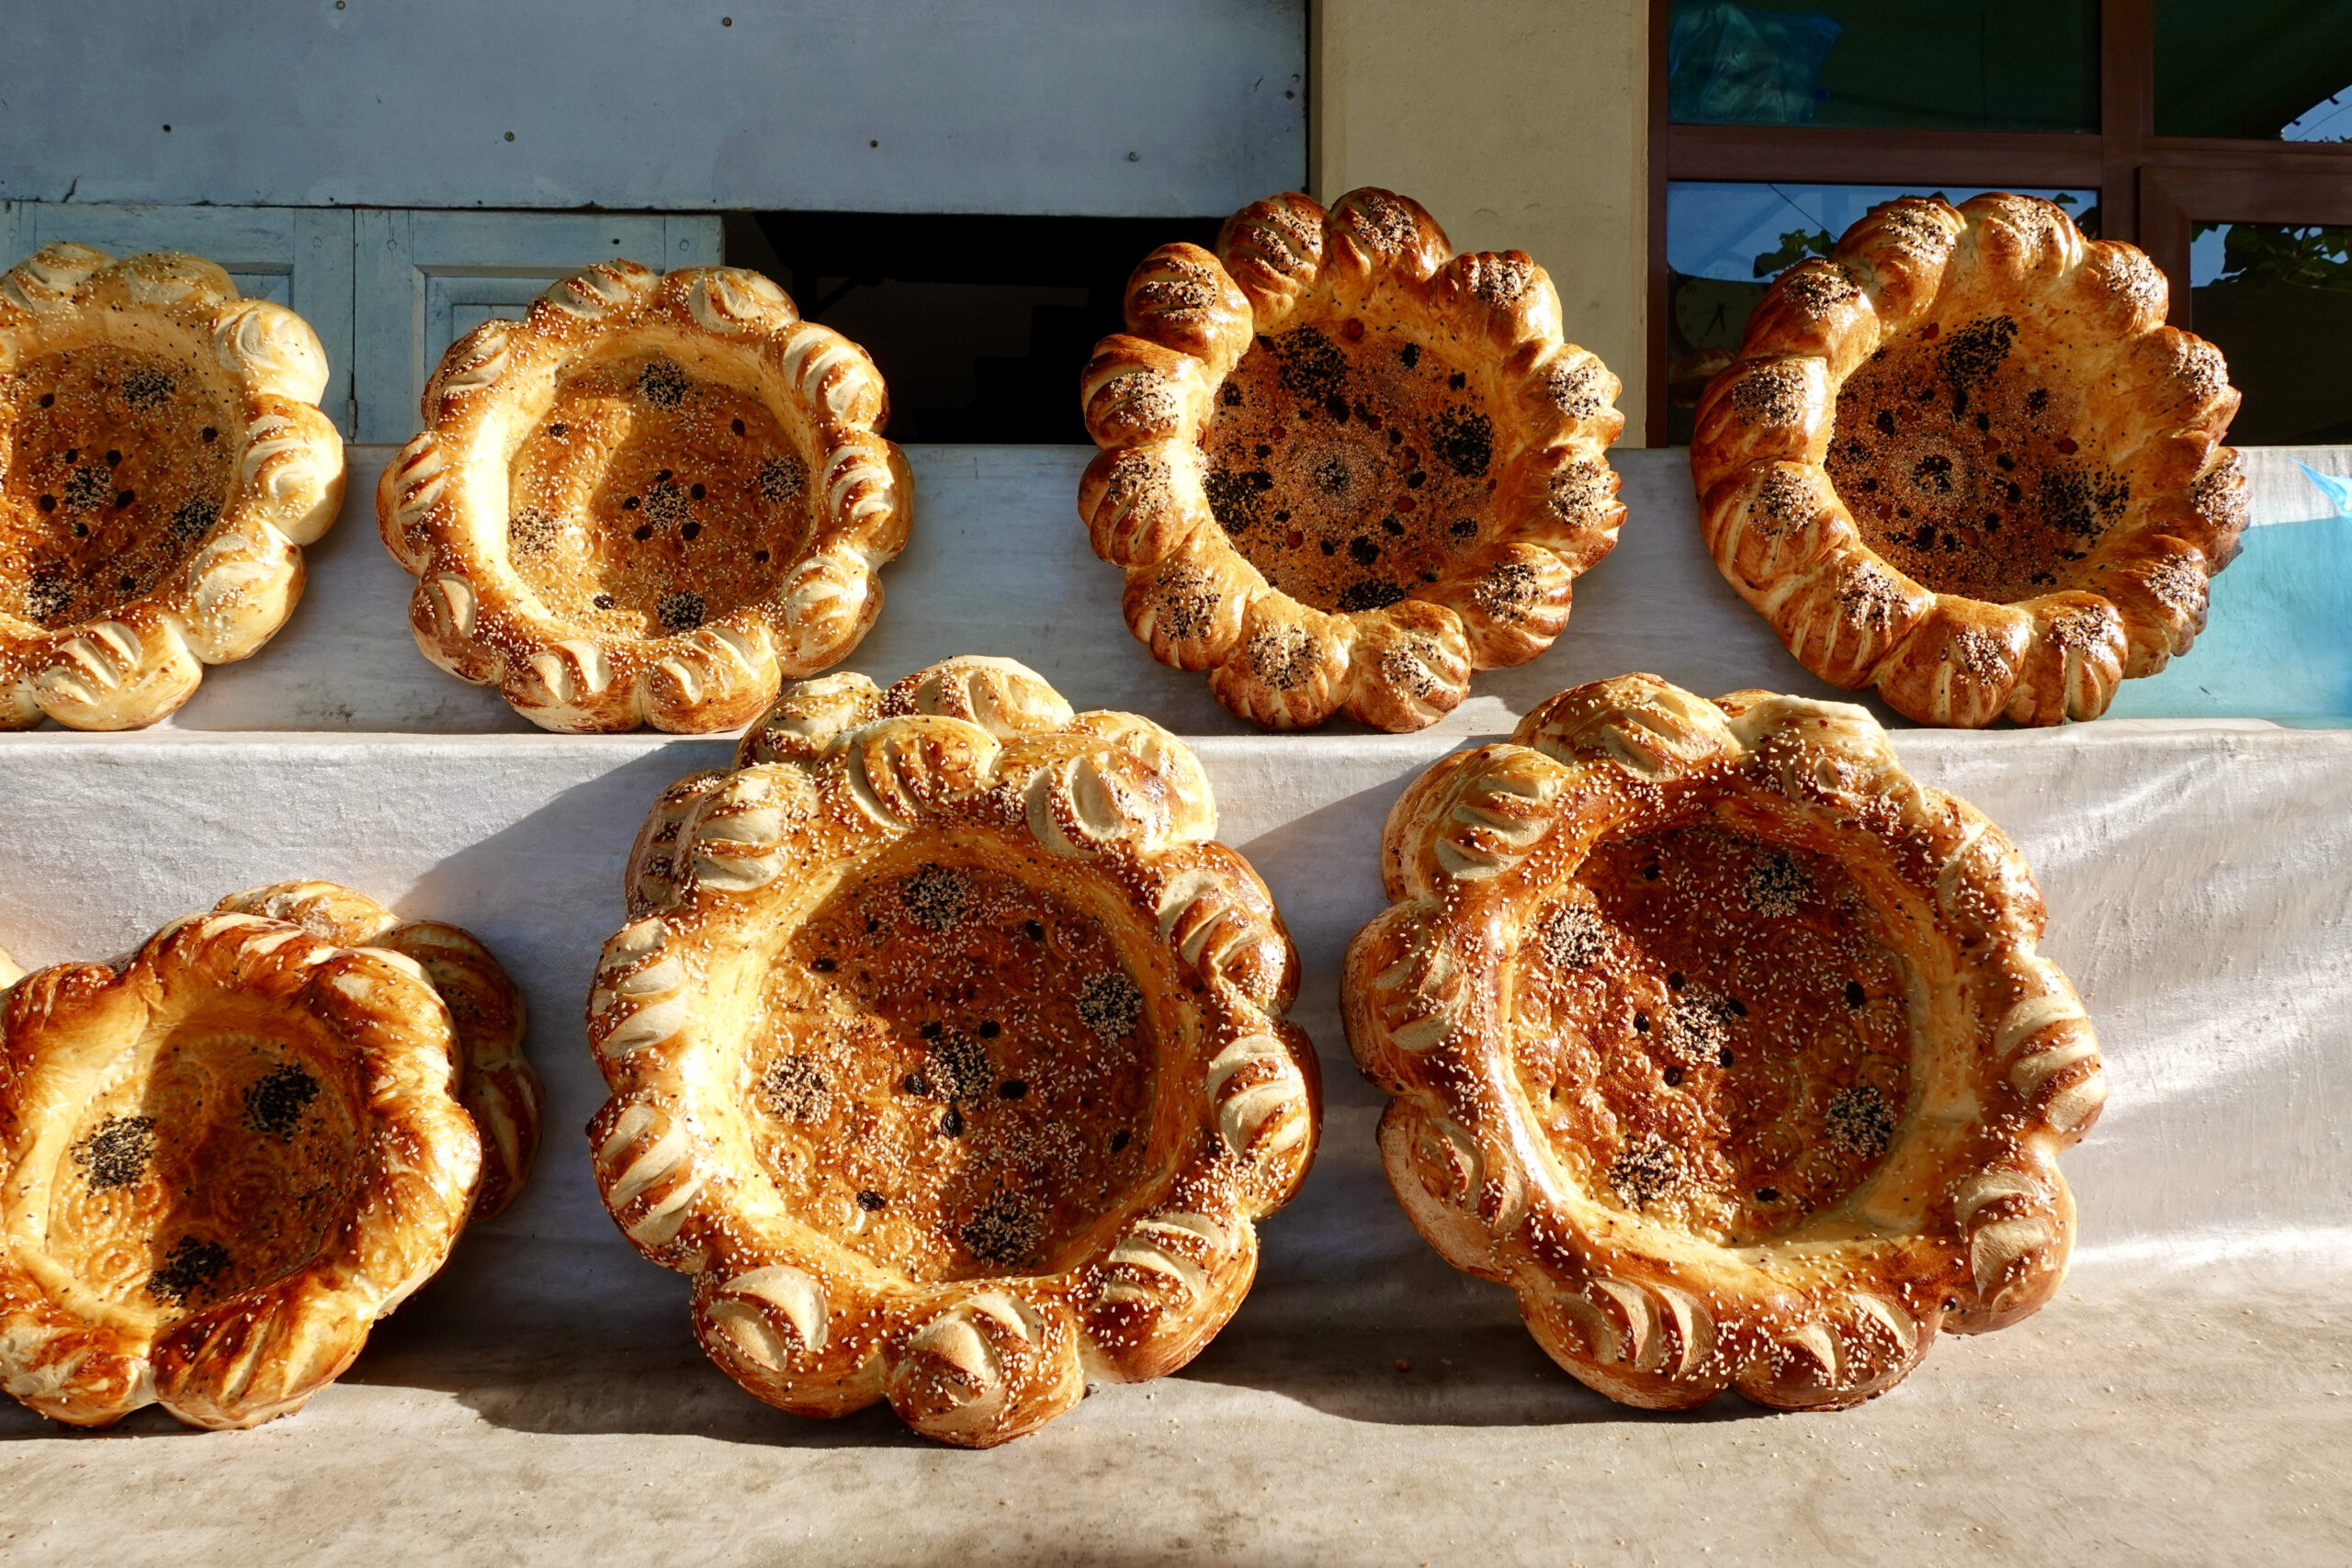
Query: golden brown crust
(497,1084)
(649,501)
(1963,460)
(947,1053)
(1343,467)
(165,461)
(1724,1043)
(222,1161)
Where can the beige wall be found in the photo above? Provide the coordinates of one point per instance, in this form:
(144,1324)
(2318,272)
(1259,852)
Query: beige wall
(1519,124)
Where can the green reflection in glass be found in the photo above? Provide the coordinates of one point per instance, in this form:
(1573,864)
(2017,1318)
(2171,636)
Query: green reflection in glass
(2264,69)
(2276,300)
(1937,65)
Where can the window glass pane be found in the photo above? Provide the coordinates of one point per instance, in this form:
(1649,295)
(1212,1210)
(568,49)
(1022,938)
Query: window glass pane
(1954,64)
(2268,68)
(2278,301)
(1725,243)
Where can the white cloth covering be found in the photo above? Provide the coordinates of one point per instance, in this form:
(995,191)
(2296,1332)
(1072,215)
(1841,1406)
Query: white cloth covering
(2184,1400)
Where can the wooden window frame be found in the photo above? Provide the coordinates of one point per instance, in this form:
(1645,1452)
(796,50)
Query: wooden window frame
(2154,190)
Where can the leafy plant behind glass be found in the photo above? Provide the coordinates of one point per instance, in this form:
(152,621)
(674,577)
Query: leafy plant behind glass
(1795,245)
(2269,252)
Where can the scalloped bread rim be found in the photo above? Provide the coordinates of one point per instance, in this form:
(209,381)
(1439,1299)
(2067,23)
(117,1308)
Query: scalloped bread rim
(1784,540)
(441,505)
(241,579)
(1642,1312)
(841,770)
(264,1351)
(1148,395)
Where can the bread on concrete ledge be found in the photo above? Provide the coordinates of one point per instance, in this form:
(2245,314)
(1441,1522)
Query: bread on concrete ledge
(1724,1043)
(650,501)
(225,1155)
(1962,460)
(947,1053)
(1343,467)
(162,460)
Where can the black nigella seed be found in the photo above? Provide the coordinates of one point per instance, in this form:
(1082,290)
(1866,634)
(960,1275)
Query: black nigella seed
(117,1154)
(276,1101)
(188,1270)
(872,1201)
(1011,1089)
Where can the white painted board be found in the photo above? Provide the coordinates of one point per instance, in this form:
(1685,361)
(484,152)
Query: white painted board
(1189,108)
(998,563)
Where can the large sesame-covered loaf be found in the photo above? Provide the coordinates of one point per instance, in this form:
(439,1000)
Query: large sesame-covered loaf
(1343,467)
(947,1053)
(1963,460)
(649,501)
(1724,1043)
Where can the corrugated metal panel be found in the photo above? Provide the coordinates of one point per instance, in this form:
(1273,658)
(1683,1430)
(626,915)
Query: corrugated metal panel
(1186,106)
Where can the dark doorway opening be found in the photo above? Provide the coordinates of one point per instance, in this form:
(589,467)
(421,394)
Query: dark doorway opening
(980,325)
